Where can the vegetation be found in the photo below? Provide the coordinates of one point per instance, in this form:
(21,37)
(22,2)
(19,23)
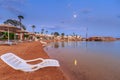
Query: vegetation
(14,23)
(20,17)
(33,27)
(18,23)
(26,35)
(56,34)
(42,31)
(46,32)
(62,35)
(52,33)
(5,37)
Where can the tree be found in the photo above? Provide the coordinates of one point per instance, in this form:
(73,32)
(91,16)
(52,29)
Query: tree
(20,17)
(62,34)
(11,22)
(73,34)
(42,31)
(52,33)
(33,27)
(56,34)
(14,23)
(46,32)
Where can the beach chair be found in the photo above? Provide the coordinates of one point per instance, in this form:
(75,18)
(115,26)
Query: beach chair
(8,43)
(5,43)
(42,42)
(18,63)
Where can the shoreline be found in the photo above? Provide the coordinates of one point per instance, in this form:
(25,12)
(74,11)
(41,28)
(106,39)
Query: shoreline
(29,50)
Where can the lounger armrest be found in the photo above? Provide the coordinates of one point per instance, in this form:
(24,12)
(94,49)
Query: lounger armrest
(33,68)
(34,60)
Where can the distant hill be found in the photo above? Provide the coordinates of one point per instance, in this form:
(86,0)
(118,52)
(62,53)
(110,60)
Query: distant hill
(98,38)
(117,38)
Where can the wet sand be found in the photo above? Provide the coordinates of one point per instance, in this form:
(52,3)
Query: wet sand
(28,50)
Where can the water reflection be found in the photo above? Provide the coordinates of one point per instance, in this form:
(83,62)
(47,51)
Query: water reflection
(100,62)
(56,45)
(75,62)
(65,44)
(88,46)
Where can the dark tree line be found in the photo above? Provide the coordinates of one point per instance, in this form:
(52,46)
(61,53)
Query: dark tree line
(16,22)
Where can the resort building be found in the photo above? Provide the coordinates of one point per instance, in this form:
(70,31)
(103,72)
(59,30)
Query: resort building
(8,29)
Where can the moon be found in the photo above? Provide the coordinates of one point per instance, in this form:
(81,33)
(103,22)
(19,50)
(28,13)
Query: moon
(75,16)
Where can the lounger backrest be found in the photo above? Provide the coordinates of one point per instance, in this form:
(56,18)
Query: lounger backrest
(21,64)
(13,60)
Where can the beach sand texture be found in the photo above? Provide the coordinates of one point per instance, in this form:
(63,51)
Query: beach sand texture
(28,50)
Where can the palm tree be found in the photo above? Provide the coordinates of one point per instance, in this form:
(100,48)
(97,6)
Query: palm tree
(62,34)
(33,27)
(11,22)
(20,17)
(42,31)
(14,23)
(46,32)
(73,34)
(56,34)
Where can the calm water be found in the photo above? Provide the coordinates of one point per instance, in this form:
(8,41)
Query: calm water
(87,61)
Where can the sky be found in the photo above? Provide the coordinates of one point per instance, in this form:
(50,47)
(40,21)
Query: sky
(94,17)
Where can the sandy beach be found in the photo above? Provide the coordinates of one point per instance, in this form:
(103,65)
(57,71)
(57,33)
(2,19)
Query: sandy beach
(28,50)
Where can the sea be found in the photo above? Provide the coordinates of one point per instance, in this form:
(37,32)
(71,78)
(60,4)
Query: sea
(83,60)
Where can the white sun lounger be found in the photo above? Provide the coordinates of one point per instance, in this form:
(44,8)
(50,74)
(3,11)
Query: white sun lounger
(18,63)
(42,42)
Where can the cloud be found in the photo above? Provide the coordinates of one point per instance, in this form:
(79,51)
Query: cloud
(13,6)
(60,27)
(53,27)
(85,10)
(13,10)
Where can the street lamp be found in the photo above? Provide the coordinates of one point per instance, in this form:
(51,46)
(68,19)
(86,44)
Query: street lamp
(86,33)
